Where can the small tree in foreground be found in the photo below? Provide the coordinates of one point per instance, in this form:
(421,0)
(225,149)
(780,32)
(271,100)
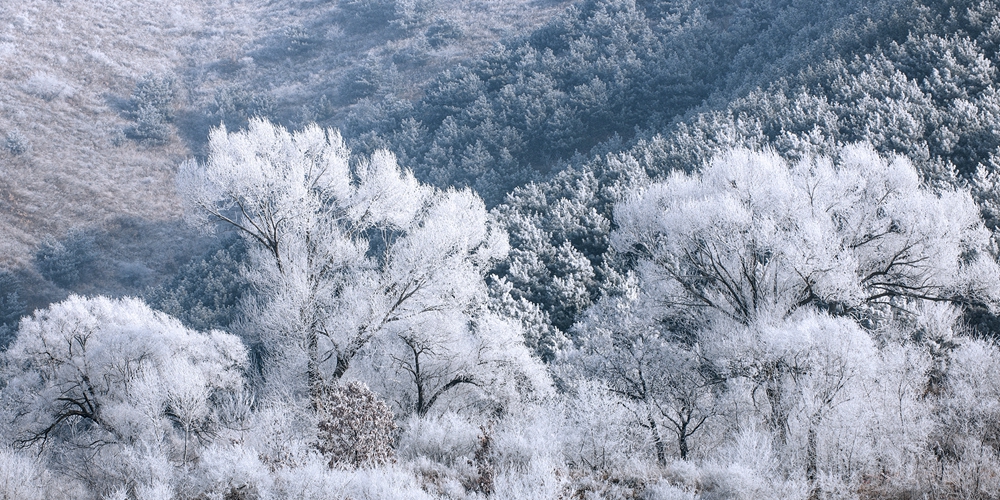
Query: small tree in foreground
(356,427)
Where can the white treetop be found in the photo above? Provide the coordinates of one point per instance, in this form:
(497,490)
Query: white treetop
(346,249)
(99,371)
(751,235)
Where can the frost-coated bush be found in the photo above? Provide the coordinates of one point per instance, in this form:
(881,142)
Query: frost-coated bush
(152,93)
(150,107)
(64,261)
(282,434)
(599,432)
(315,481)
(150,127)
(114,391)
(229,472)
(21,476)
(447,439)
(748,469)
(539,480)
(236,104)
(441,449)
(356,427)
(16,143)
(48,86)
(522,440)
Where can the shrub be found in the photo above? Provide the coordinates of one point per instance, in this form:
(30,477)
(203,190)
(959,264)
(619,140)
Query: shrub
(150,127)
(449,439)
(363,81)
(356,427)
(483,460)
(442,32)
(48,87)
(150,106)
(229,472)
(154,94)
(237,104)
(16,144)
(21,476)
(61,261)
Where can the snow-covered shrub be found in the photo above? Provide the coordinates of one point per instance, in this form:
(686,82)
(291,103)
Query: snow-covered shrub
(747,468)
(448,439)
(150,107)
(316,481)
(599,432)
(48,86)
(356,427)
(22,477)
(16,143)
(539,480)
(521,441)
(282,434)
(229,472)
(441,449)
(150,128)
(64,261)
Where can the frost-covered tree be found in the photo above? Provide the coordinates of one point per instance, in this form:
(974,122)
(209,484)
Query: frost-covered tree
(433,363)
(751,235)
(342,250)
(767,271)
(666,383)
(89,379)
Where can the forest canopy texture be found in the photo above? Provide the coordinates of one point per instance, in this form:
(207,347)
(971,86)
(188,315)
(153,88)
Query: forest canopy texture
(694,249)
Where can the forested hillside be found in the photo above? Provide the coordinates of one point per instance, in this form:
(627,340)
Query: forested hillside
(100,101)
(636,249)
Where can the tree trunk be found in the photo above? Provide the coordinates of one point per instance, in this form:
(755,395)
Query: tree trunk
(778,418)
(312,368)
(343,363)
(812,463)
(661,451)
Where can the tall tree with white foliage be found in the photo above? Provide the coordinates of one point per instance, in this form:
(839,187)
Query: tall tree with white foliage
(344,250)
(751,235)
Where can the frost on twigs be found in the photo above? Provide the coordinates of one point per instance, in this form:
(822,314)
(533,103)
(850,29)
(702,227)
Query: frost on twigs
(356,427)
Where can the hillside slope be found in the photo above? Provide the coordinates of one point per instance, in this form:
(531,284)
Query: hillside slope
(73,153)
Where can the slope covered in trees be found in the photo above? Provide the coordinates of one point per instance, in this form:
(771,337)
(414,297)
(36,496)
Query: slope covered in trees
(102,100)
(606,68)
